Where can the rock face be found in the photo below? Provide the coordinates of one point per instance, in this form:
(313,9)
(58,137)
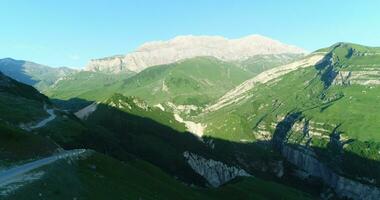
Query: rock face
(369,76)
(195,128)
(183,47)
(308,165)
(239,92)
(343,187)
(216,173)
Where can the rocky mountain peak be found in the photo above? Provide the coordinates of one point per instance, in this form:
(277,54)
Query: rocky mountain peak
(190,46)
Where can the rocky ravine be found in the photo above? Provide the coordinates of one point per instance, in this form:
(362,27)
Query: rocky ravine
(184,47)
(215,172)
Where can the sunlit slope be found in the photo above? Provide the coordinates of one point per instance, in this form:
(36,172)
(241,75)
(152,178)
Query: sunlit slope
(330,107)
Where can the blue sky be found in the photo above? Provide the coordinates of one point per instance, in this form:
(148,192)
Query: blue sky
(70,32)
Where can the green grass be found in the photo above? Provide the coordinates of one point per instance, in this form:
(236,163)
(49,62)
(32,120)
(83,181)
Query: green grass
(353,107)
(194,81)
(260,63)
(86,85)
(101,177)
(17,145)
(20,103)
(139,107)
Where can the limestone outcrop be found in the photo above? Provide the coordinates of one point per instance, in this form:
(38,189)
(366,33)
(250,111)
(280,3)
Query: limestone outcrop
(215,172)
(184,47)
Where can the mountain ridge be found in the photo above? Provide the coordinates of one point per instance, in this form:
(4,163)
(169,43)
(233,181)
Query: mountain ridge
(183,47)
(34,74)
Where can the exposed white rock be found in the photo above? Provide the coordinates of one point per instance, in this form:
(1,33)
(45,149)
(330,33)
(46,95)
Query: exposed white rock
(192,127)
(141,104)
(85,112)
(160,107)
(164,87)
(184,47)
(238,93)
(311,167)
(215,172)
(185,109)
(370,76)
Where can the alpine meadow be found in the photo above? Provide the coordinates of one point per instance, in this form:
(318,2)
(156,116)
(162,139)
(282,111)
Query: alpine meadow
(162,100)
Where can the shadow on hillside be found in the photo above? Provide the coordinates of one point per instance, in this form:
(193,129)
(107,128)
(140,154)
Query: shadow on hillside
(15,69)
(72,105)
(335,157)
(126,136)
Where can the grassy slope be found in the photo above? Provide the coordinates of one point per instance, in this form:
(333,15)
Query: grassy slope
(351,106)
(139,107)
(86,85)
(260,63)
(17,145)
(20,102)
(193,81)
(149,140)
(302,90)
(101,177)
(39,76)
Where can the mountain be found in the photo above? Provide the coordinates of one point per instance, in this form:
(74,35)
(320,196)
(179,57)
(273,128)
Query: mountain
(184,47)
(200,128)
(39,76)
(195,81)
(18,99)
(111,152)
(97,176)
(83,84)
(317,113)
(20,104)
(260,63)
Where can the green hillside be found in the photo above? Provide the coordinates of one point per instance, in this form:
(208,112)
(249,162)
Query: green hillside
(328,108)
(100,177)
(39,76)
(260,63)
(125,128)
(20,103)
(194,81)
(313,129)
(87,85)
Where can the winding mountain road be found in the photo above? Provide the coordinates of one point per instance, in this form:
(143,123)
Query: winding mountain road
(11,174)
(42,123)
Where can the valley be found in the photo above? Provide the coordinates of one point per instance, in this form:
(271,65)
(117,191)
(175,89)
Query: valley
(212,119)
